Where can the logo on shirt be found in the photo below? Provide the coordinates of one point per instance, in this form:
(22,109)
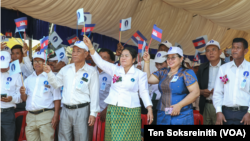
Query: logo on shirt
(81,82)
(46,83)
(104,79)
(7,83)
(2,58)
(9,79)
(85,75)
(133,80)
(246,73)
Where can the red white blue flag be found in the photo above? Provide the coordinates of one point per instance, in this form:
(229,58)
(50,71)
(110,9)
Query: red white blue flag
(21,23)
(71,40)
(44,43)
(156,33)
(8,34)
(138,37)
(88,28)
(140,45)
(199,43)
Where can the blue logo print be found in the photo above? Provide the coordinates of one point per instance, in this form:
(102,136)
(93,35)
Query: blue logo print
(13,67)
(7,83)
(244,80)
(39,53)
(170,48)
(78,15)
(104,78)
(78,42)
(85,75)
(9,79)
(55,38)
(246,73)
(126,23)
(81,82)
(133,80)
(6,48)
(85,18)
(212,41)
(2,58)
(158,55)
(46,82)
(61,55)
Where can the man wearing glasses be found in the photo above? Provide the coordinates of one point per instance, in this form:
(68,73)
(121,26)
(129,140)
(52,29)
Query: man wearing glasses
(206,75)
(42,102)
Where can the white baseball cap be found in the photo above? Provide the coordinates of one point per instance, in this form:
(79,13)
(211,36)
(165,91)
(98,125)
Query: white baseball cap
(81,44)
(5,59)
(166,43)
(213,42)
(53,59)
(174,50)
(39,55)
(160,57)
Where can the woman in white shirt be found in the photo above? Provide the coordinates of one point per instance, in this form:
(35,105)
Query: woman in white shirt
(123,119)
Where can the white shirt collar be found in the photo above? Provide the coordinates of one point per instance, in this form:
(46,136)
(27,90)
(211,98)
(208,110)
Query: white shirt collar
(131,70)
(85,66)
(241,65)
(218,65)
(43,73)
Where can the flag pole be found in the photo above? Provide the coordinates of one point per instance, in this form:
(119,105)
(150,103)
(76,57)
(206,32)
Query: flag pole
(76,26)
(120,34)
(149,44)
(20,35)
(22,77)
(127,42)
(89,34)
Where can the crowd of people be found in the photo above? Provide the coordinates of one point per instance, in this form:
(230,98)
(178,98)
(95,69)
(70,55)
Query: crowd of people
(120,90)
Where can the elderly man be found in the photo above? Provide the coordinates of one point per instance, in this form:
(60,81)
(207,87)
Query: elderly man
(80,87)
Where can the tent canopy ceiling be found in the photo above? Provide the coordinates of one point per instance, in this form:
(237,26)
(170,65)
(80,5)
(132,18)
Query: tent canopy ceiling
(181,20)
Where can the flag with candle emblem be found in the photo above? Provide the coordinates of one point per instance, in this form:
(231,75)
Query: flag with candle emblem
(140,44)
(8,34)
(144,46)
(88,28)
(87,18)
(156,33)
(125,24)
(138,37)
(44,43)
(199,43)
(71,40)
(21,23)
(196,56)
(60,53)
(55,39)
(14,67)
(80,16)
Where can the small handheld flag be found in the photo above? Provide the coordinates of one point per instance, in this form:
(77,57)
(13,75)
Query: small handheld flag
(95,45)
(140,44)
(196,56)
(87,18)
(4,39)
(138,37)
(125,24)
(21,23)
(71,40)
(88,28)
(80,16)
(156,33)
(8,34)
(199,43)
(44,43)
(60,53)
(55,39)
(144,46)
(14,67)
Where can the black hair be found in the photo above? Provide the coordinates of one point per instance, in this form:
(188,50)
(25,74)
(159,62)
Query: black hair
(111,54)
(17,47)
(242,40)
(132,52)
(182,63)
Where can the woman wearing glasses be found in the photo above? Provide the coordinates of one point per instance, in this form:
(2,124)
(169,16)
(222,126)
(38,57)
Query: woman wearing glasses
(179,89)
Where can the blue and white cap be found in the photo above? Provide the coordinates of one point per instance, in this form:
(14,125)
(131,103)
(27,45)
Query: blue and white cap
(213,42)
(81,44)
(39,55)
(174,50)
(160,57)
(4,59)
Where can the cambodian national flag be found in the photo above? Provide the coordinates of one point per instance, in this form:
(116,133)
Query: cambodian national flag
(140,44)
(199,43)
(88,28)
(44,43)
(21,23)
(71,40)
(156,33)
(196,57)
(8,34)
(138,37)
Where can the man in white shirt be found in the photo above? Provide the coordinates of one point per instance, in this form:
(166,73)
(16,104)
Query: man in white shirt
(42,102)
(231,96)
(206,75)
(80,87)
(105,81)
(10,96)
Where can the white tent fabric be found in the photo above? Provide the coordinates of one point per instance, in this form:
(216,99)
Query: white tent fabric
(181,20)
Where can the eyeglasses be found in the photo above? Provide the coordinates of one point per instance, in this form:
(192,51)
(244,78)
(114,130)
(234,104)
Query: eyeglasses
(212,50)
(171,58)
(38,62)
